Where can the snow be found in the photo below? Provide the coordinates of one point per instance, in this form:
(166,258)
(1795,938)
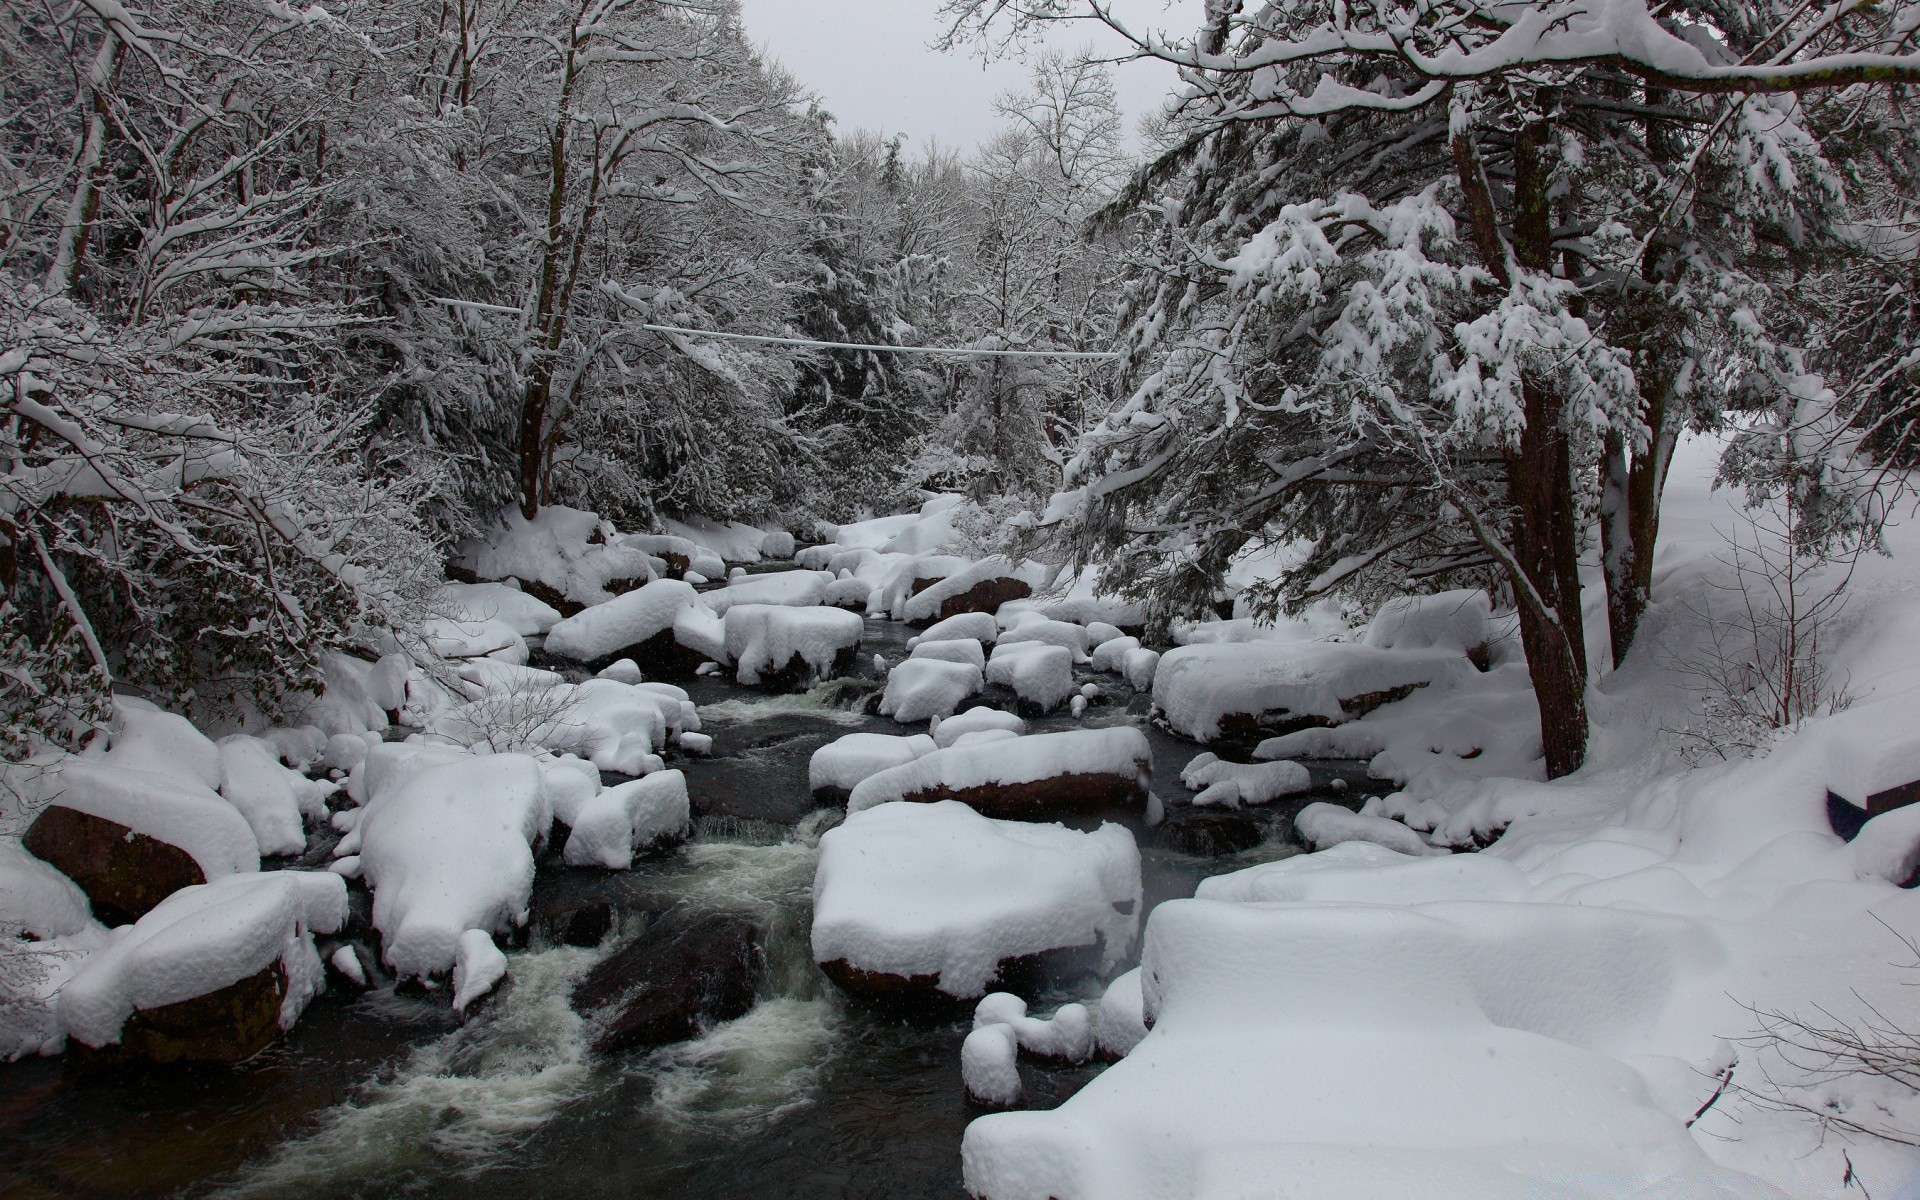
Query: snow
(922,688)
(763,638)
(357,695)
(346,961)
(146,737)
(1363,872)
(990,1066)
(1099,633)
(1141,667)
(1065,1037)
(925,606)
(939,890)
(455,640)
(274,800)
(38,900)
(478,968)
(844,762)
(981,627)
(623,621)
(1888,846)
(1121,1022)
(1457,621)
(526,615)
(1120,751)
(1052,633)
(568,783)
(797,589)
(1039,673)
(1111,655)
(734,541)
(960,650)
(556,549)
(976,720)
(201,939)
(163,805)
(623,670)
(1322,825)
(344,752)
(627,817)
(1196,685)
(447,849)
(1235,784)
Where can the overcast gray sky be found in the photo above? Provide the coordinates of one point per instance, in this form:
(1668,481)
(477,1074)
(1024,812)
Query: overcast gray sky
(870,63)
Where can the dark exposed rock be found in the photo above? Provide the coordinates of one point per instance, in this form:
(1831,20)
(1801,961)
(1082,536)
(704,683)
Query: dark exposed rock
(552,597)
(920,996)
(1209,831)
(125,874)
(1055,798)
(225,1026)
(683,974)
(798,674)
(1246,730)
(986,596)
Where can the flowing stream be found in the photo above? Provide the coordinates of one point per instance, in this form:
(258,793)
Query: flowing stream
(381,1094)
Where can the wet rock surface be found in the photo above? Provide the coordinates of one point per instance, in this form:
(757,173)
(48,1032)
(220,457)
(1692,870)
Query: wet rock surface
(681,975)
(124,874)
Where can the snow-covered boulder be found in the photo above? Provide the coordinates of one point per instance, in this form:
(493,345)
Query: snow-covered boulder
(922,688)
(1454,621)
(566,557)
(528,616)
(734,541)
(982,588)
(1121,1022)
(960,650)
(1234,784)
(1456,1050)
(275,801)
(1040,674)
(855,595)
(795,589)
(630,818)
(1124,615)
(1111,655)
(478,968)
(1140,667)
(990,1066)
(1064,1039)
(791,648)
(975,720)
(1039,777)
(1243,692)
(640,625)
(1099,633)
(1052,633)
(838,767)
(131,837)
(915,902)
(1364,872)
(356,695)
(979,626)
(455,641)
(447,850)
(1322,825)
(211,974)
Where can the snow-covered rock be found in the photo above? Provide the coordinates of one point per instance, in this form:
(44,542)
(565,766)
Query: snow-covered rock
(982,587)
(623,623)
(641,815)
(1040,674)
(1244,691)
(975,720)
(275,801)
(922,688)
(960,650)
(1321,825)
(447,850)
(564,553)
(40,901)
(979,626)
(456,640)
(936,898)
(1140,667)
(990,1066)
(838,767)
(1052,633)
(1456,621)
(1234,784)
(1363,872)
(1111,655)
(1037,777)
(1065,1038)
(478,968)
(245,937)
(795,589)
(1121,1022)
(774,645)
(529,616)
(1099,633)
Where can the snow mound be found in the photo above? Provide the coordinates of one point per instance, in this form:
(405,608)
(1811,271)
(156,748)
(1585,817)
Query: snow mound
(1052,633)
(606,629)
(526,615)
(990,1066)
(162,805)
(1111,655)
(1121,1022)
(1140,668)
(795,589)
(1065,1037)
(357,695)
(1039,673)
(975,720)
(1099,633)
(1321,825)
(1369,873)
(39,900)
(763,639)
(458,640)
(844,762)
(981,627)
(275,801)
(926,605)
(630,816)
(447,850)
(1269,685)
(922,688)
(201,939)
(734,541)
(478,968)
(960,650)
(939,890)
(1456,621)
(1120,753)
(1234,784)
(570,552)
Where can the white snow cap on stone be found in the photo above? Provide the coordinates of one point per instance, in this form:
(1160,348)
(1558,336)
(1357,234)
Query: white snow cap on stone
(922,688)
(1121,1023)
(478,968)
(762,638)
(526,615)
(795,589)
(167,806)
(1321,825)
(1369,873)
(1111,655)
(847,760)
(1196,685)
(1234,784)
(41,901)
(274,800)
(623,671)
(621,622)
(938,889)
(1118,750)
(204,938)
(1447,621)
(626,817)
(924,605)
(990,1066)
(1066,1036)
(1039,673)
(451,849)
(960,650)
(981,627)
(975,720)
(1052,633)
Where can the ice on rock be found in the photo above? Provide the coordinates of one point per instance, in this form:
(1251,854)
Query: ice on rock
(975,720)
(764,638)
(623,621)
(1321,825)
(1122,1021)
(960,650)
(478,968)
(526,615)
(990,1066)
(980,627)
(1066,1037)
(1072,638)
(1120,754)
(937,890)
(630,816)
(1456,1050)
(1265,683)
(450,848)
(1234,784)
(204,938)
(1369,873)
(275,801)
(1039,673)
(793,589)
(1456,621)
(841,764)
(1111,655)
(922,688)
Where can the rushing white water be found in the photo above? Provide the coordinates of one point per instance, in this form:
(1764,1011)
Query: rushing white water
(755,1069)
(818,701)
